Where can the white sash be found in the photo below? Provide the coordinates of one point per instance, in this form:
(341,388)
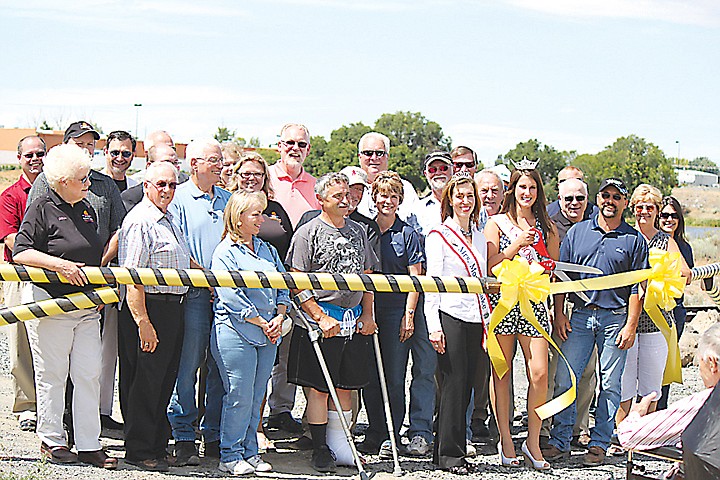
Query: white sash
(512,231)
(472,266)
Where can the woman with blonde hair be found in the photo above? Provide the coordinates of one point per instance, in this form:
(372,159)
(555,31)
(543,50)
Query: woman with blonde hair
(246,331)
(645,360)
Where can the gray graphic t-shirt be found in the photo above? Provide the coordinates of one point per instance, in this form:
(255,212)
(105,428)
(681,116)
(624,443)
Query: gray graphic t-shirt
(319,247)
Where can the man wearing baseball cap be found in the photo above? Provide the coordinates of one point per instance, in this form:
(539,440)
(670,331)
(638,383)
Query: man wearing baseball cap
(438,168)
(608,320)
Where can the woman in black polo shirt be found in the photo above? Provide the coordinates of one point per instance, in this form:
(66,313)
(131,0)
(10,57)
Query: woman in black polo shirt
(59,232)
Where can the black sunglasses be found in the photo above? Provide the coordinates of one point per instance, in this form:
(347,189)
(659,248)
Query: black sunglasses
(668,215)
(378,153)
(292,143)
(125,153)
(460,165)
(615,196)
(39,154)
(579,198)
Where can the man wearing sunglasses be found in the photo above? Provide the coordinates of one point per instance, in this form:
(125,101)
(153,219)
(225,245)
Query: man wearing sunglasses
(31,152)
(438,170)
(464,158)
(373,153)
(294,187)
(567,173)
(573,201)
(119,154)
(609,320)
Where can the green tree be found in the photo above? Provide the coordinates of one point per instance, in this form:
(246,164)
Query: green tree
(254,142)
(339,152)
(704,164)
(45,126)
(412,136)
(550,162)
(632,159)
(224,134)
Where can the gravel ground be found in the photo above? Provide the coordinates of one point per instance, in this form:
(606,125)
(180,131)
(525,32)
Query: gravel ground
(19,451)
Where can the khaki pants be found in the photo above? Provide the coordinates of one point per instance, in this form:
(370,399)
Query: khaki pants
(21,363)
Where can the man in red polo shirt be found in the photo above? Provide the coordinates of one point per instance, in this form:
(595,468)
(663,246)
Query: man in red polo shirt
(31,152)
(294,187)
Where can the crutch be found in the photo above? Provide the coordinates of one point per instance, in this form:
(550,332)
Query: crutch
(397,471)
(314,334)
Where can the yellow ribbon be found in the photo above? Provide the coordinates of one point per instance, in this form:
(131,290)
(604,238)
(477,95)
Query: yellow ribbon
(522,282)
(664,285)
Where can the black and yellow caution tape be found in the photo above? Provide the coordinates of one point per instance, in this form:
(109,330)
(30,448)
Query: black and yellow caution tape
(705,271)
(289,280)
(60,305)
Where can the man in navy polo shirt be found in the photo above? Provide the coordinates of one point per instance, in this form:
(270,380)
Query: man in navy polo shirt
(609,320)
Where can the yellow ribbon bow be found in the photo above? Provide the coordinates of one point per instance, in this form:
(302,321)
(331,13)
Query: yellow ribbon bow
(523,282)
(664,285)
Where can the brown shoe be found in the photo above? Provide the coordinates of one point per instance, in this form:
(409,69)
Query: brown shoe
(553,454)
(60,454)
(594,457)
(99,459)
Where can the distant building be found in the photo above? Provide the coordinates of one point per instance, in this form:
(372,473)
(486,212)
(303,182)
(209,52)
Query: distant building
(696,178)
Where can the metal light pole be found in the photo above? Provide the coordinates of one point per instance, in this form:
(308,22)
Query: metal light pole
(137,113)
(677,142)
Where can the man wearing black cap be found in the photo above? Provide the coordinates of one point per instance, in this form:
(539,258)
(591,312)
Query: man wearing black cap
(104,196)
(608,320)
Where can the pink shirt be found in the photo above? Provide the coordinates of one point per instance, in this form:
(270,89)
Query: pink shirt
(296,196)
(663,427)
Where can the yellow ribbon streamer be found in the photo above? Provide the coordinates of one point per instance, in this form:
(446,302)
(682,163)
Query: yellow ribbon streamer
(522,282)
(664,285)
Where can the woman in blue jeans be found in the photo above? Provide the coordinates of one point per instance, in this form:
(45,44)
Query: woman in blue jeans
(246,332)
(401,253)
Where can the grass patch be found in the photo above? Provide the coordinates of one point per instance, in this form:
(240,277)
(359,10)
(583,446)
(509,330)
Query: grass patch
(702,222)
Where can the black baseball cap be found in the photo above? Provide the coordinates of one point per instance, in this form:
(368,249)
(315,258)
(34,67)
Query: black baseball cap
(614,182)
(442,156)
(77,129)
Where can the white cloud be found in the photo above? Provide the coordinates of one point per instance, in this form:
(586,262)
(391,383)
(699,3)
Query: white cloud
(696,12)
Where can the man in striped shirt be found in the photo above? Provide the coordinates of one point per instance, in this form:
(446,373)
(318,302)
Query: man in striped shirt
(662,428)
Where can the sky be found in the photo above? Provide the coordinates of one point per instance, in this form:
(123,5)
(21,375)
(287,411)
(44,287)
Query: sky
(574,74)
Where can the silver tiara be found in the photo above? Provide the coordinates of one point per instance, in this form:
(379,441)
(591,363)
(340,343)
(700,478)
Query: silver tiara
(526,164)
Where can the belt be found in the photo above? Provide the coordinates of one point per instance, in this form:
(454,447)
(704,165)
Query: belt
(592,307)
(165,297)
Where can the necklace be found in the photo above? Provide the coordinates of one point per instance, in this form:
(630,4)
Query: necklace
(467,233)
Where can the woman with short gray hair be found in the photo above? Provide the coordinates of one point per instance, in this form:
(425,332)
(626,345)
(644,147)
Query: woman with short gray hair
(59,233)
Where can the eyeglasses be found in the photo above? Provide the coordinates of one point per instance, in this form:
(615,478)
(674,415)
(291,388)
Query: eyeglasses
(570,198)
(163,184)
(212,160)
(125,153)
(29,156)
(461,165)
(615,196)
(377,153)
(441,168)
(668,215)
(644,208)
(84,179)
(292,143)
(249,175)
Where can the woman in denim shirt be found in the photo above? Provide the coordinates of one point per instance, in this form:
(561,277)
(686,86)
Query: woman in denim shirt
(246,332)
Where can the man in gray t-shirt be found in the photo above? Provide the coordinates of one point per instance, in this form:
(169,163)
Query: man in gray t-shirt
(331,243)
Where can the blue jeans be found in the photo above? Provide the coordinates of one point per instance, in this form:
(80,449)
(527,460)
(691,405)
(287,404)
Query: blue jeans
(395,359)
(245,370)
(591,327)
(183,411)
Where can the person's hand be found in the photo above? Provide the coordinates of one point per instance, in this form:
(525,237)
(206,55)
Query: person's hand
(437,339)
(71,271)
(148,337)
(366,325)
(273,328)
(407,326)
(562,326)
(526,238)
(329,326)
(626,338)
(641,408)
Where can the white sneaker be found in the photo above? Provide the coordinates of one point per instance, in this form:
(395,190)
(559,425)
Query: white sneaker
(418,446)
(470,450)
(259,464)
(238,467)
